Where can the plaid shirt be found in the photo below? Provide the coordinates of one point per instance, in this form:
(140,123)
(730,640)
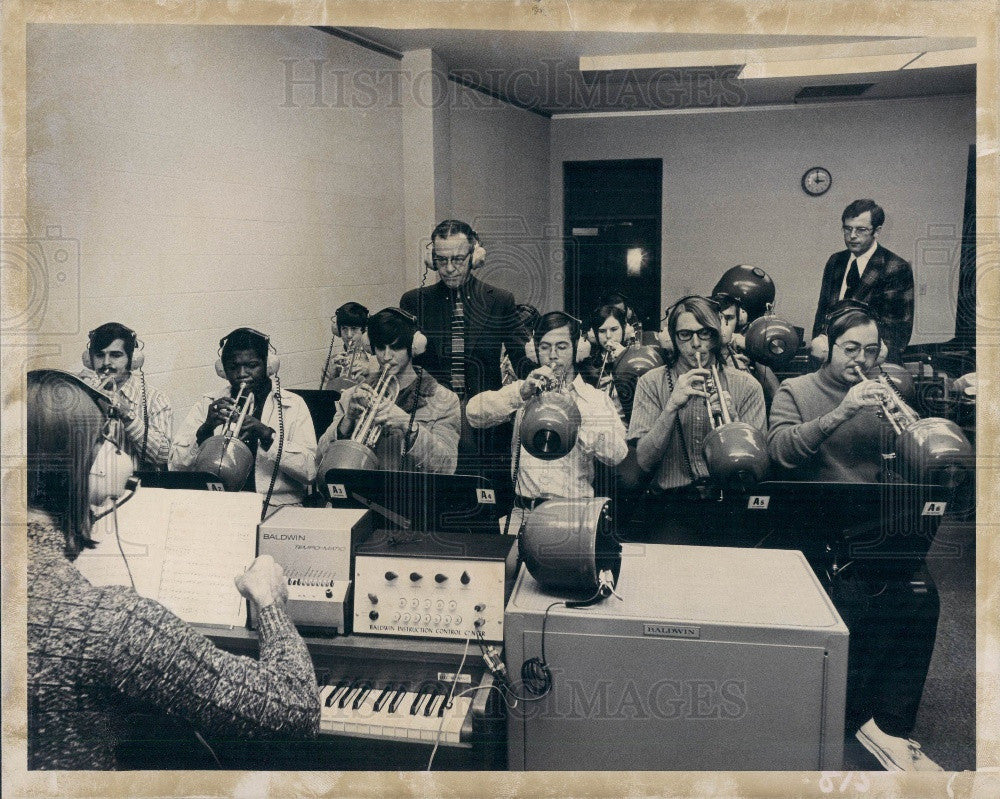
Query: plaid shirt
(886,285)
(161,422)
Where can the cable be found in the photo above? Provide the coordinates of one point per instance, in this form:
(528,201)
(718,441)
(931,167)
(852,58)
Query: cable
(114,517)
(211,751)
(514,475)
(326,366)
(145,418)
(281,445)
(447,704)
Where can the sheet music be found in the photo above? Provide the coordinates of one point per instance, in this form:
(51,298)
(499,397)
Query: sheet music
(184,549)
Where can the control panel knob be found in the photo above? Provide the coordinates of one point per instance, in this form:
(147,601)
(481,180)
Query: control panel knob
(329,593)
(440,578)
(465,578)
(373,615)
(479,608)
(373,599)
(390,576)
(415,577)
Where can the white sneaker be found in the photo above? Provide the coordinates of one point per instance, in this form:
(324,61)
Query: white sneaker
(895,754)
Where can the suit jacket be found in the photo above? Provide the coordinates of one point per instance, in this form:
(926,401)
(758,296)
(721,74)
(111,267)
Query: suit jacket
(490,320)
(886,285)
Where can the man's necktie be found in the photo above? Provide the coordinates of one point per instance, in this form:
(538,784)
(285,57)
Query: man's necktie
(458,347)
(853,277)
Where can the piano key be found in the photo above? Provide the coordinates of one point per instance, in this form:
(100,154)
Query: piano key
(383,698)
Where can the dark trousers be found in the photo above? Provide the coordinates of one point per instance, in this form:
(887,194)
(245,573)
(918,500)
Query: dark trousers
(893,625)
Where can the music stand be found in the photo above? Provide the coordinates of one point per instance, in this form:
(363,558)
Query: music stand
(192,481)
(886,527)
(322,405)
(417,501)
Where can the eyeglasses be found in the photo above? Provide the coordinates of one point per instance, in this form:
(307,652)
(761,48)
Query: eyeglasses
(455,260)
(861,231)
(853,350)
(561,347)
(703,333)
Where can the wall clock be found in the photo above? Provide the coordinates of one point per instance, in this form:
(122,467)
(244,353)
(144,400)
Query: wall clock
(816,181)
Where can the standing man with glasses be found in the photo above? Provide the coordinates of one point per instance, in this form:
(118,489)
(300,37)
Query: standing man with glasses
(825,428)
(868,272)
(466,321)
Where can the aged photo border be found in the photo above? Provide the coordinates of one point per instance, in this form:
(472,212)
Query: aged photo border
(786,17)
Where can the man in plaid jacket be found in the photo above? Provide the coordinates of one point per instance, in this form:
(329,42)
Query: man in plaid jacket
(868,272)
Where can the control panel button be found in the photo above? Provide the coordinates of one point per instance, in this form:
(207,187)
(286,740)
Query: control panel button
(480,607)
(416,576)
(390,576)
(374,599)
(373,615)
(465,578)
(329,593)
(440,578)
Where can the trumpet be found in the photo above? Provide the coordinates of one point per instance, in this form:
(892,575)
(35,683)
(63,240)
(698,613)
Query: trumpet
(358,451)
(551,422)
(224,455)
(732,448)
(933,448)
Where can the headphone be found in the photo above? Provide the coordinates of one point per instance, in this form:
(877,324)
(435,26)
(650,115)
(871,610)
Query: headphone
(136,360)
(419,345)
(478,251)
(582,344)
(628,331)
(723,300)
(841,308)
(273,362)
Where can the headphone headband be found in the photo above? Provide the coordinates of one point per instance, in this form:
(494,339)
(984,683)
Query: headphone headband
(131,333)
(247,331)
(710,300)
(843,307)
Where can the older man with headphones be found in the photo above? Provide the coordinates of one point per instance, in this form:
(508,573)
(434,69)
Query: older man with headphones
(466,321)
(141,416)
(277,429)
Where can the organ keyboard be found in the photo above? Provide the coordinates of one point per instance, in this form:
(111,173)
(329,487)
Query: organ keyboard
(383,702)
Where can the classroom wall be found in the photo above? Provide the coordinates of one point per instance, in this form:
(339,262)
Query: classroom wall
(205,192)
(732,194)
(500,185)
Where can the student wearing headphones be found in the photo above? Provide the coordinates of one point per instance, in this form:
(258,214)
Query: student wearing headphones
(278,428)
(556,341)
(420,429)
(350,355)
(825,427)
(466,321)
(142,417)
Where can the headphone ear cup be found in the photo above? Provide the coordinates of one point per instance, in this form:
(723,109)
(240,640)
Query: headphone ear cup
(742,318)
(419,344)
(220,370)
(138,359)
(273,364)
(333,326)
(429,257)
(582,349)
(529,350)
(88,361)
(629,331)
(478,256)
(591,337)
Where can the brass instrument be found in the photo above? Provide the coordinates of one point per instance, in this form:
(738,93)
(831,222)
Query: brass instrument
(358,451)
(550,423)
(772,341)
(732,449)
(224,454)
(344,375)
(932,449)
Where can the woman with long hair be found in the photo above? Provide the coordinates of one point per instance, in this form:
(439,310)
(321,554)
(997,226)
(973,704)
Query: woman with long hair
(94,652)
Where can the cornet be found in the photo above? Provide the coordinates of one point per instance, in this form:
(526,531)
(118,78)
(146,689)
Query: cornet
(931,448)
(358,451)
(224,455)
(732,448)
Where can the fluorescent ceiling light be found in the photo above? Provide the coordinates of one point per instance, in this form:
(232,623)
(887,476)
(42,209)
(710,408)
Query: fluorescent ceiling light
(826,66)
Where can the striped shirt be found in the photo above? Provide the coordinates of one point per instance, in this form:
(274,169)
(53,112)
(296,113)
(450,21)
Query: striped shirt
(651,395)
(161,421)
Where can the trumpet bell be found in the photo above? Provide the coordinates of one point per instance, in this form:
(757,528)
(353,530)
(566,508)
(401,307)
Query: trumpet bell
(772,341)
(346,453)
(550,425)
(935,450)
(736,450)
(750,285)
(227,458)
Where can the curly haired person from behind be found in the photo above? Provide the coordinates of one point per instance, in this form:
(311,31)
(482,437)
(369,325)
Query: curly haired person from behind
(95,653)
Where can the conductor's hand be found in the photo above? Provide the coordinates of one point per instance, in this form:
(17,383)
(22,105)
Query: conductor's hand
(263,583)
(536,382)
(690,384)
